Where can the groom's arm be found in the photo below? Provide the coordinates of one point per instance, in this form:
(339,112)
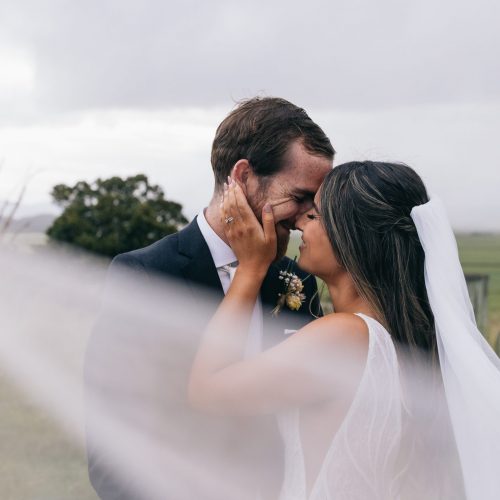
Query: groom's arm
(109,390)
(131,375)
(140,433)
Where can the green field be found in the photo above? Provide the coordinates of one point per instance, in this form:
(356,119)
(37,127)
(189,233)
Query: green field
(480,253)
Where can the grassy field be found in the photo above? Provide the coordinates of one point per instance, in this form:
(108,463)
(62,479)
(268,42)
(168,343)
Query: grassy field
(37,459)
(479,253)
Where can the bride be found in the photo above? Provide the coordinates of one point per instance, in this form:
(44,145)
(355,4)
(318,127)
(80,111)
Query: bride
(337,386)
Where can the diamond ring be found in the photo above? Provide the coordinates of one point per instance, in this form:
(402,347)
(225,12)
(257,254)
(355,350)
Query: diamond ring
(228,220)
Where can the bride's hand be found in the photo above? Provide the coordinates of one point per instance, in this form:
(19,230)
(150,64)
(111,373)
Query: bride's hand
(254,244)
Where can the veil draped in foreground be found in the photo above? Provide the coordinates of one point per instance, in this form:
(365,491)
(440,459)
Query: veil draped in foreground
(114,378)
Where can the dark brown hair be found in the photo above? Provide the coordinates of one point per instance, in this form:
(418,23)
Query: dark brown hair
(365,208)
(261,130)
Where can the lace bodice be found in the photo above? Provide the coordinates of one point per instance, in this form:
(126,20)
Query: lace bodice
(362,458)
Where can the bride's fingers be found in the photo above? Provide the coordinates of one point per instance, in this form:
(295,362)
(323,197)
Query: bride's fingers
(228,217)
(244,209)
(221,208)
(268,224)
(235,210)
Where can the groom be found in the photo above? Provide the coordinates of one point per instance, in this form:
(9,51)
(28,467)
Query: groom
(278,155)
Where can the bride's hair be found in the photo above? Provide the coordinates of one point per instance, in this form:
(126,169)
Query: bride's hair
(365,207)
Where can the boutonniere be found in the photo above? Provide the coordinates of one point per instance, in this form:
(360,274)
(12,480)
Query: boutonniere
(291,294)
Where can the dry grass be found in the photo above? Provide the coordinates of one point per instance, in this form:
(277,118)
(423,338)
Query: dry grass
(7,214)
(37,460)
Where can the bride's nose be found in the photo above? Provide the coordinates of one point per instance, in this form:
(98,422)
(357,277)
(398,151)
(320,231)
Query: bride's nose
(300,221)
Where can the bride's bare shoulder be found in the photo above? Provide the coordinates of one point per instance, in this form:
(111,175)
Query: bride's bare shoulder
(338,328)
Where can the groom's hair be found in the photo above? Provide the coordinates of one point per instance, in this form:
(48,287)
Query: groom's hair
(261,130)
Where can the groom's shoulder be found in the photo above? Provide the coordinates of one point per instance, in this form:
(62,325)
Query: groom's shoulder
(150,256)
(162,256)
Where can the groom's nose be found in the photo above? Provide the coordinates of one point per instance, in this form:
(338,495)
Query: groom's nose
(289,224)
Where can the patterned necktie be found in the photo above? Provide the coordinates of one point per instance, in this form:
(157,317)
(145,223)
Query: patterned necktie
(230,269)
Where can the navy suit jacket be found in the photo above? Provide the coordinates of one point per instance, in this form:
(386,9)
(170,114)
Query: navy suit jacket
(132,382)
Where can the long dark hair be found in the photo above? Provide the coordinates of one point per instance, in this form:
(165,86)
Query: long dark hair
(365,208)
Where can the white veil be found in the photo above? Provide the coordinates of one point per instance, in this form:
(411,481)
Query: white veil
(470,369)
(145,437)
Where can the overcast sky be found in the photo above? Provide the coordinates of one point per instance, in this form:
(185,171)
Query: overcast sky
(99,88)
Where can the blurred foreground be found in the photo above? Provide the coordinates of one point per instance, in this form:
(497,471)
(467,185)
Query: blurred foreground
(49,304)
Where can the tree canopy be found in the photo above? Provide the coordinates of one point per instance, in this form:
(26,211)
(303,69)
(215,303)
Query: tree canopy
(111,216)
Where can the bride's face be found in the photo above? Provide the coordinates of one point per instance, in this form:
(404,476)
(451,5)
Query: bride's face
(316,253)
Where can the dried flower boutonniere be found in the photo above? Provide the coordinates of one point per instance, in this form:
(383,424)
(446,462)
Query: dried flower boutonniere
(291,295)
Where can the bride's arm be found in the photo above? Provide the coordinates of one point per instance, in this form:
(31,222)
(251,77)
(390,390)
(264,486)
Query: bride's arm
(254,245)
(312,365)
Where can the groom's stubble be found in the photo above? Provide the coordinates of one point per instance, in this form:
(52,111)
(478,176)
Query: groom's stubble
(257,203)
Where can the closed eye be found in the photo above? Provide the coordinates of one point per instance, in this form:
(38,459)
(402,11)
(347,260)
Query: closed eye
(305,202)
(313,216)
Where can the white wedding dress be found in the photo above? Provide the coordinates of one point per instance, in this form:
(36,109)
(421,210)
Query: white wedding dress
(362,460)
(437,439)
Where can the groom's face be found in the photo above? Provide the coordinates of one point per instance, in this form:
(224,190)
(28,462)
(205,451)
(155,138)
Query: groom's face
(291,191)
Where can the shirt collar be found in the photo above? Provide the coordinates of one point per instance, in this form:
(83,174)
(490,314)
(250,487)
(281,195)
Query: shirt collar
(222,253)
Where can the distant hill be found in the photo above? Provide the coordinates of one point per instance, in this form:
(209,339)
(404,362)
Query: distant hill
(34,224)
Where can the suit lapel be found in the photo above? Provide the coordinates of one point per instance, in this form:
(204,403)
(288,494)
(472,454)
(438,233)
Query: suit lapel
(199,271)
(270,288)
(199,268)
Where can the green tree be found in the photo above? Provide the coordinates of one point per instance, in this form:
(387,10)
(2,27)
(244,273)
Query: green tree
(111,216)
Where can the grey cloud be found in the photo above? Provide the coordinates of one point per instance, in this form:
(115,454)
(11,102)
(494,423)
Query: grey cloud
(347,54)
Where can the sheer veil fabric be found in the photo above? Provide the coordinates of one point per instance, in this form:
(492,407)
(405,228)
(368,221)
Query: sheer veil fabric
(386,447)
(469,367)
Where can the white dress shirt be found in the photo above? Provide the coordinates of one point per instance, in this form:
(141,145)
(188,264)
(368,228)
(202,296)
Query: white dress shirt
(223,255)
